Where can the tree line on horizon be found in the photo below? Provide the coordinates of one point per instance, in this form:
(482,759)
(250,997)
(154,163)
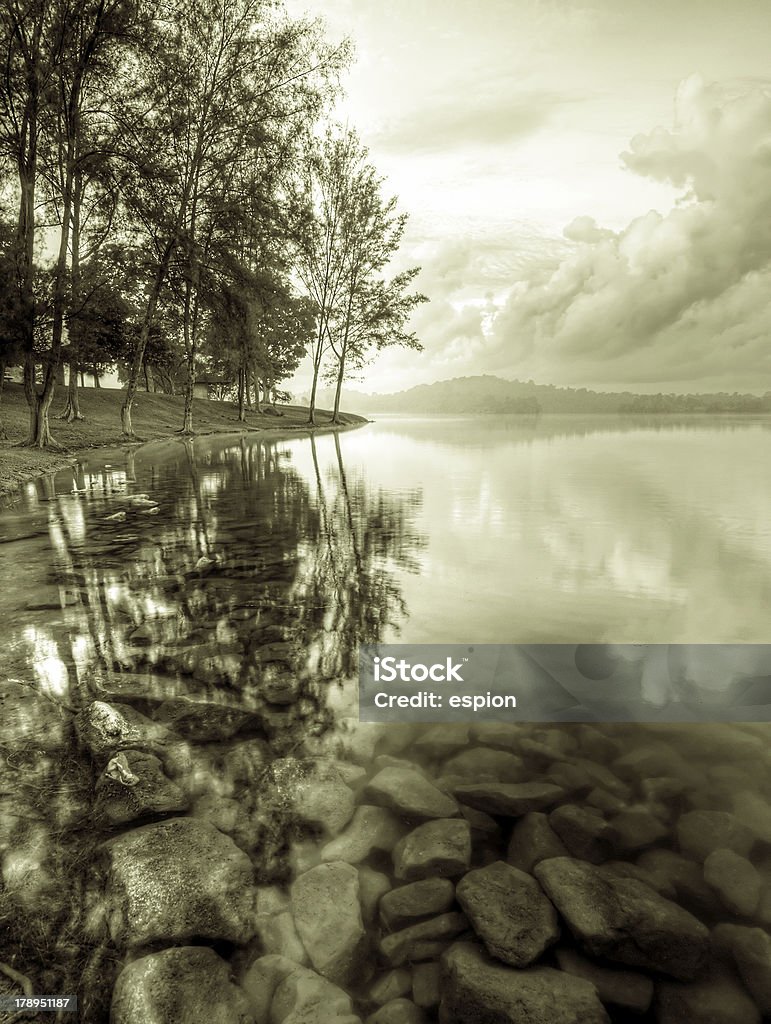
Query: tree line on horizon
(176,199)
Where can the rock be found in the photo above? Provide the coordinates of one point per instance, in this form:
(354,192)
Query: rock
(261,981)
(664,788)
(426,985)
(422,941)
(185,983)
(509,912)
(245,761)
(398,1011)
(635,829)
(418,899)
(482,825)
(627,989)
(371,828)
(29,717)
(734,879)
(574,779)
(585,833)
(716,999)
(409,793)
(699,833)
(144,791)
(175,880)
(604,801)
(678,877)
(275,927)
(325,903)
(604,778)
(511,799)
(391,985)
(310,790)
(304,997)
(478,990)
(201,718)
(498,735)
(439,741)
(751,953)
(440,847)
(373,885)
(481,762)
(754,812)
(533,840)
(104,729)
(623,919)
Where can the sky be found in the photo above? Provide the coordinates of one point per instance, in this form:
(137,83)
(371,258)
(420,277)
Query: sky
(588,186)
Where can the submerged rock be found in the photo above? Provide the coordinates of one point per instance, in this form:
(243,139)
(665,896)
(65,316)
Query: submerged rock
(626,989)
(175,880)
(423,941)
(441,847)
(716,999)
(701,832)
(137,788)
(186,983)
(623,919)
(509,912)
(509,799)
(325,903)
(104,729)
(371,828)
(409,793)
(533,840)
(478,990)
(418,899)
(735,879)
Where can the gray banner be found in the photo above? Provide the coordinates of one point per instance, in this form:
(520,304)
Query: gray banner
(565,682)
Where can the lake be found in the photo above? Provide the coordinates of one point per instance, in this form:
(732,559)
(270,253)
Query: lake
(181,625)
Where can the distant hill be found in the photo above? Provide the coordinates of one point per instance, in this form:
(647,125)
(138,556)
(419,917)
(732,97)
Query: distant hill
(489,394)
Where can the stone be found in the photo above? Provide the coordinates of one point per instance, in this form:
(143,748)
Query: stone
(533,840)
(325,903)
(735,880)
(439,741)
(30,718)
(751,953)
(261,981)
(481,762)
(753,811)
(391,985)
(418,899)
(584,832)
(304,997)
(185,983)
(603,777)
(664,788)
(178,879)
(409,793)
(245,761)
(104,729)
(482,825)
(478,990)
(274,925)
(426,985)
(635,829)
(701,832)
(421,941)
(682,879)
(509,912)
(623,919)
(373,885)
(398,1011)
(571,777)
(716,999)
(201,718)
(371,828)
(310,790)
(626,989)
(604,801)
(441,847)
(509,799)
(498,735)
(136,787)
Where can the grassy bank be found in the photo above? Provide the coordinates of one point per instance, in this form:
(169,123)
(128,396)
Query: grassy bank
(154,416)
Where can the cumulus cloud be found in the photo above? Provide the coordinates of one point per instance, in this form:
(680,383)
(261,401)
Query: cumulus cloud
(675,297)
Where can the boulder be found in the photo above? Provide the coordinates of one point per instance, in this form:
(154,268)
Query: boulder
(750,949)
(718,998)
(201,718)
(701,832)
(418,899)
(391,985)
(373,885)
(533,840)
(441,847)
(134,785)
(735,880)
(261,981)
(626,989)
(371,828)
(185,983)
(636,828)
(310,790)
(275,927)
(409,793)
(678,877)
(509,912)
(426,985)
(478,990)
(304,997)
(175,880)
(325,903)
(398,1011)
(104,729)
(509,799)
(482,762)
(422,941)
(623,919)
(584,832)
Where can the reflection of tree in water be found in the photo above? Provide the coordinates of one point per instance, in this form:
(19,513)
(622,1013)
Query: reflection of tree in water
(220,612)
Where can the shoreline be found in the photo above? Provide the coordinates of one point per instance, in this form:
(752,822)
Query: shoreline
(20,466)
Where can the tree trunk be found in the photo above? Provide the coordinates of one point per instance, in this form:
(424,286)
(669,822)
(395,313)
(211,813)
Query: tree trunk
(72,409)
(241,389)
(96,378)
(3,433)
(82,378)
(187,423)
(39,435)
(257,398)
(338,389)
(60,374)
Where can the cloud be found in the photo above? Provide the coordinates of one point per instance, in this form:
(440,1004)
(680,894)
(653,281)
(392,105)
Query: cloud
(675,297)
